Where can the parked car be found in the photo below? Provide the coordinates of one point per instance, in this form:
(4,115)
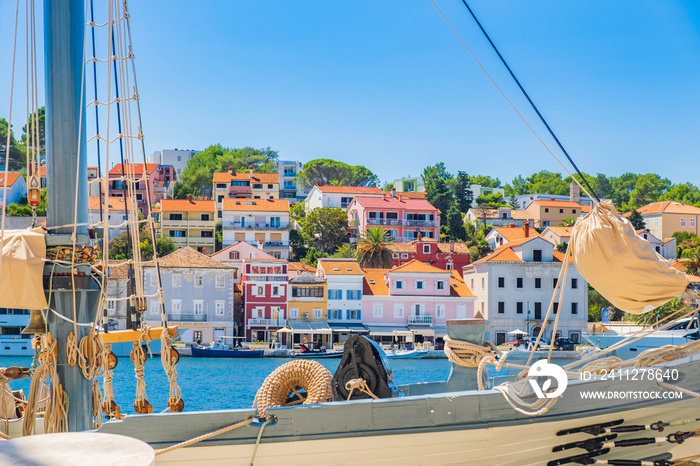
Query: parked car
(562,344)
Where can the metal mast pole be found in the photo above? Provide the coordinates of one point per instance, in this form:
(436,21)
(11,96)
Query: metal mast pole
(74,297)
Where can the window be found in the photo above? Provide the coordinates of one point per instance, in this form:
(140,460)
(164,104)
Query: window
(554,282)
(439,310)
(682,222)
(335,294)
(519,307)
(692,223)
(398,310)
(354,314)
(269,186)
(439,285)
(501,307)
(538,283)
(483,283)
(198,281)
(294,313)
(501,282)
(219,308)
(317,313)
(175,217)
(574,308)
(220,214)
(154,307)
(139,196)
(206,234)
(345,202)
(538,311)
(419,285)
(257,186)
(394,256)
(574,336)
(177,280)
(426,249)
(404,256)
(220,281)
(561,211)
(221,185)
(500,338)
(546,210)
(335,314)
(573,211)
(574,283)
(537,255)
(449,266)
(198,306)
(111,305)
(461,311)
(220,199)
(176,306)
(555,307)
(177,233)
(378,310)
(257,290)
(233,255)
(353,294)
(398,284)
(204,217)
(519,282)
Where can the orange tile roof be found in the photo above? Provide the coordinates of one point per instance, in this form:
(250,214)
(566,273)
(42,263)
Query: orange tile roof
(243,243)
(585,209)
(350,189)
(550,203)
(301,267)
(375,282)
(12,177)
(343,266)
(679,265)
(668,207)
(513,233)
(416,266)
(115,203)
(137,169)
(185,205)
(189,258)
(458,287)
(560,231)
(502,254)
(666,240)
(226,177)
(256,205)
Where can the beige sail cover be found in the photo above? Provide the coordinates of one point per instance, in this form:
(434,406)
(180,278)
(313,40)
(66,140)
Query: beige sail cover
(621,266)
(21,282)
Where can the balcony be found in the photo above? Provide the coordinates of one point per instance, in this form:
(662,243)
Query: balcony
(193,223)
(187,317)
(290,173)
(420,223)
(266,322)
(420,320)
(237,190)
(381,221)
(266,278)
(275,244)
(254,226)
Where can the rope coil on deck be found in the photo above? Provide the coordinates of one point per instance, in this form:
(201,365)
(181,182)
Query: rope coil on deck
(289,379)
(465,354)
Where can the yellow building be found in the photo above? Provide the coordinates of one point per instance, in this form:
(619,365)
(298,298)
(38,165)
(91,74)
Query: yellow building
(308,309)
(246,185)
(665,218)
(552,213)
(188,223)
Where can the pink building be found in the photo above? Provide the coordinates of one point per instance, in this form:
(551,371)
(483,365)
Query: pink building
(405,219)
(413,301)
(445,256)
(160,179)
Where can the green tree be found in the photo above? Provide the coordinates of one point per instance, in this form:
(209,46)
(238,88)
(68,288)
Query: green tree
(685,193)
(622,187)
(387,186)
(23,209)
(637,220)
(691,261)
(561,247)
(597,302)
(17,158)
(324,172)
(299,244)
(652,317)
(218,233)
(463,194)
(326,227)
(119,246)
(440,196)
(455,223)
(648,189)
(567,222)
(346,251)
(41,120)
(486,181)
(373,249)
(491,201)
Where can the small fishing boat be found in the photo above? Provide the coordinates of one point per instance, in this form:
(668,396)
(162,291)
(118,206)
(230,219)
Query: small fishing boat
(406,354)
(219,349)
(314,351)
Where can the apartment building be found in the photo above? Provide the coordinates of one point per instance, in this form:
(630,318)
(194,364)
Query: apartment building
(344,279)
(308,310)
(187,222)
(262,222)
(662,219)
(151,183)
(245,185)
(265,294)
(338,196)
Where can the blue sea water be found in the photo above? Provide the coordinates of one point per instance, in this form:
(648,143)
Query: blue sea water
(213,383)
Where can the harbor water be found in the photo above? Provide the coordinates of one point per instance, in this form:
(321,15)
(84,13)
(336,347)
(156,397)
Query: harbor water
(220,383)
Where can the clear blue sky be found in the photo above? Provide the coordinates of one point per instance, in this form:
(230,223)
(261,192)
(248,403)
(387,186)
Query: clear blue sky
(387,84)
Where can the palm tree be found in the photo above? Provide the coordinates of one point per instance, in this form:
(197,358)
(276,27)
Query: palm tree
(373,249)
(691,261)
(567,222)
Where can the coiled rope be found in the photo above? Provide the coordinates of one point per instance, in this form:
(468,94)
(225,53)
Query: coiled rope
(289,379)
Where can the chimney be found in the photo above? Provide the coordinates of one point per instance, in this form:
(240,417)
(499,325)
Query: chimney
(552,199)
(452,246)
(384,196)
(420,236)
(512,225)
(189,199)
(400,198)
(230,171)
(526,227)
(250,171)
(393,192)
(575,193)
(260,245)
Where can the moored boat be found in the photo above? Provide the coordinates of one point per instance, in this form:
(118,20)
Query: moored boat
(219,349)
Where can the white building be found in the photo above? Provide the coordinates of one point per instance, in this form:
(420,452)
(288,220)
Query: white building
(345,281)
(177,158)
(258,222)
(16,187)
(498,236)
(338,196)
(116,217)
(410,184)
(665,247)
(514,287)
(289,189)
(499,217)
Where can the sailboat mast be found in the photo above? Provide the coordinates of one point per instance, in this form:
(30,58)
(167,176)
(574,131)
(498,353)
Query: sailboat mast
(73,295)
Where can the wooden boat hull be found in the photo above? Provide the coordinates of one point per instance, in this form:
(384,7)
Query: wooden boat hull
(233,353)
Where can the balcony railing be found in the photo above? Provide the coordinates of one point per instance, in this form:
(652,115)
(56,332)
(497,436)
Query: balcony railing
(275,244)
(267,322)
(193,223)
(187,317)
(381,221)
(240,190)
(420,223)
(254,226)
(267,278)
(420,320)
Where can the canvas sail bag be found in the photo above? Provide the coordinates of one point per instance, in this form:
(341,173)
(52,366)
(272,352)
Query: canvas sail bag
(21,281)
(620,265)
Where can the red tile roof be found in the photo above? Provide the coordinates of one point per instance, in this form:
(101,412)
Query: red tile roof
(513,233)
(331,266)
(115,203)
(394,203)
(12,177)
(137,169)
(301,267)
(668,207)
(375,282)
(349,189)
